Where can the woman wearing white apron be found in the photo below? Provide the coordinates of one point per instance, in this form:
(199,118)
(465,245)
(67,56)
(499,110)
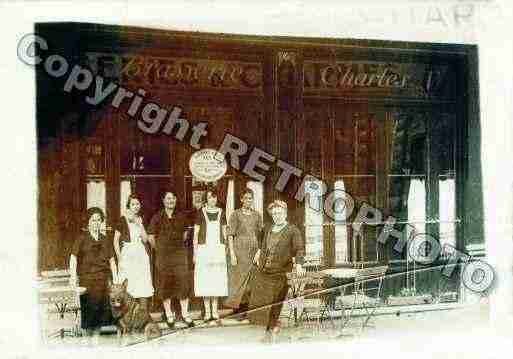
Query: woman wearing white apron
(134,262)
(210,271)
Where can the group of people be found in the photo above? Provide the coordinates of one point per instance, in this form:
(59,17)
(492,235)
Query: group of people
(237,260)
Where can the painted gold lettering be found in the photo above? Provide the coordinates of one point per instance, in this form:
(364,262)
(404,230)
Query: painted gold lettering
(329,76)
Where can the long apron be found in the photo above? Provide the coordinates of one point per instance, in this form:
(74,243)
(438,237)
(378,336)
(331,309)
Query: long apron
(134,265)
(245,248)
(210,274)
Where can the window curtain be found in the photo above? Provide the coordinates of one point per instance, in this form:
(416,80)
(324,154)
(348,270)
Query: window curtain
(126,190)
(258,192)
(416,208)
(447,212)
(230,199)
(96,194)
(341,230)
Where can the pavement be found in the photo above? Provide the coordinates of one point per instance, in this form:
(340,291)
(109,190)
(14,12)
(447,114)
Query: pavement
(408,326)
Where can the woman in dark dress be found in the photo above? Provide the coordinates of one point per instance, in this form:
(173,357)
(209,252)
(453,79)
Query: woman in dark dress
(92,266)
(281,250)
(168,235)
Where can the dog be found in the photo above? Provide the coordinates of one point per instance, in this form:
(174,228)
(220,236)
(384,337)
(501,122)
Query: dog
(129,314)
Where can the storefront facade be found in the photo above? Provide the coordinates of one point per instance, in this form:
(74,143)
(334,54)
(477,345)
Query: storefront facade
(394,125)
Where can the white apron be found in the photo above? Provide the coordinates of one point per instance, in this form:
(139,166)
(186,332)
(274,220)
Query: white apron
(134,265)
(210,272)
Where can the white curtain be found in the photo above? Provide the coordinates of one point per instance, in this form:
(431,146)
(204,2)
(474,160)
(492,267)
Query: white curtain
(417,204)
(341,250)
(258,192)
(96,194)
(125,192)
(446,210)
(230,200)
(416,207)
(313,220)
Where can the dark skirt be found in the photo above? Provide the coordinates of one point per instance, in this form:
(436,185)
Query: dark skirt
(174,275)
(268,291)
(94,303)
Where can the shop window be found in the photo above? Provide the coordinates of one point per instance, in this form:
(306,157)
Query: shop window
(422,191)
(126,190)
(258,192)
(230,199)
(341,228)
(145,158)
(447,211)
(313,221)
(417,204)
(96,194)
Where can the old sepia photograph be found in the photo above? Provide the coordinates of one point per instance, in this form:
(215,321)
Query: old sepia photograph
(212,185)
(270,189)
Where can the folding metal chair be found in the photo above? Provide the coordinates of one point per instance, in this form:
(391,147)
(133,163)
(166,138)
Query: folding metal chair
(303,289)
(367,281)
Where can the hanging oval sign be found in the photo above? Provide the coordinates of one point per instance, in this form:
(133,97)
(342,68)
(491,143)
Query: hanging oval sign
(208,165)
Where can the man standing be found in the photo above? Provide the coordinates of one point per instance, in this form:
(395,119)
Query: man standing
(168,235)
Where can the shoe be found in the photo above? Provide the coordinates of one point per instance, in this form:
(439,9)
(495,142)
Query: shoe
(216,318)
(189,322)
(170,324)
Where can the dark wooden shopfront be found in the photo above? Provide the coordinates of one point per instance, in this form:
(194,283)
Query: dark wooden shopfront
(373,118)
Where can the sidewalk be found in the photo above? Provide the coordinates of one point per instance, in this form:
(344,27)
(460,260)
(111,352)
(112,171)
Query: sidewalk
(428,328)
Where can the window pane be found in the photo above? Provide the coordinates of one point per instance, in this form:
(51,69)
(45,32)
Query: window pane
(126,190)
(313,220)
(313,203)
(443,144)
(258,192)
(96,194)
(313,243)
(408,199)
(408,143)
(341,235)
(417,204)
(95,162)
(447,211)
(230,199)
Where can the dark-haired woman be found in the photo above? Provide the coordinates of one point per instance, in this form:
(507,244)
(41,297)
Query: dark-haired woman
(168,234)
(210,273)
(130,238)
(92,265)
